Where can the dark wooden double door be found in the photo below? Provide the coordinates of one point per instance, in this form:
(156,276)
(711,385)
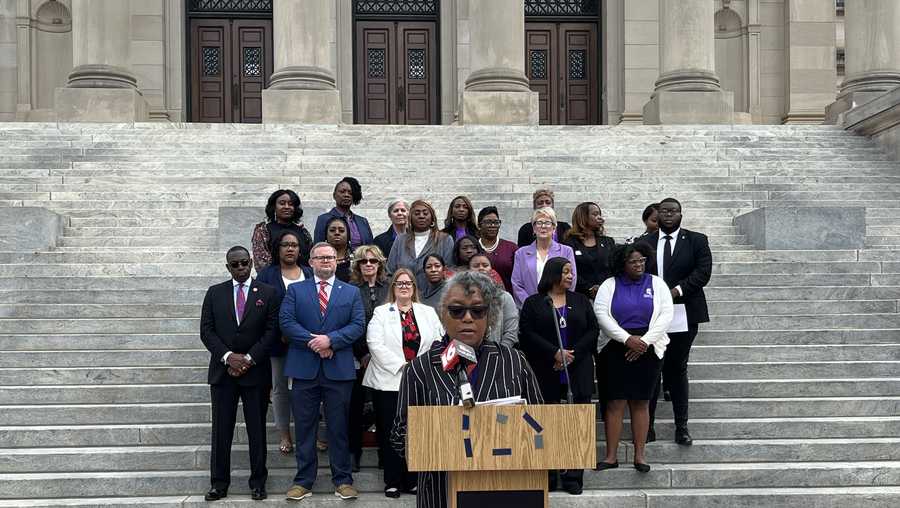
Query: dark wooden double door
(231,65)
(396,72)
(562,62)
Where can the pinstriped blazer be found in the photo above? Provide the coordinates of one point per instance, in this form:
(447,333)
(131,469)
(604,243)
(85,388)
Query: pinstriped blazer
(503,372)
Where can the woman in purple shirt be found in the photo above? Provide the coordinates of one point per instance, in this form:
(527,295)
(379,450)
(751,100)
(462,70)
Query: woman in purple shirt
(634,310)
(460,219)
(530,260)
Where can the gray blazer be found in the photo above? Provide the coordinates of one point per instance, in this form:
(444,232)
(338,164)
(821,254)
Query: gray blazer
(401,257)
(506,329)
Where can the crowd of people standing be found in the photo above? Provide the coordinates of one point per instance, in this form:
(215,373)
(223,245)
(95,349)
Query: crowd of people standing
(342,316)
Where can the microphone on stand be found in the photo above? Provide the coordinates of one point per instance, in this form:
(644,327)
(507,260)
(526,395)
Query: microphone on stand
(569,397)
(454,358)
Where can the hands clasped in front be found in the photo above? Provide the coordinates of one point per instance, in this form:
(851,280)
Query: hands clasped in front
(238,364)
(321,345)
(558,358)
(636,347)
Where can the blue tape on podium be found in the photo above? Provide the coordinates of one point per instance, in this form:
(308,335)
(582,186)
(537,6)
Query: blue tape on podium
(468,443)
(538,442)
(531,421)
(465,422)
(501,451)
(502,418)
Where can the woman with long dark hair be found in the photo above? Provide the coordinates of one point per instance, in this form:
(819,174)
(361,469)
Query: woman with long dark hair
(283,213)
(422,238)
(460,220)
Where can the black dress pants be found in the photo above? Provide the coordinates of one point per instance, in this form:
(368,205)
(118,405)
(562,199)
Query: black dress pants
(674,371)
(255,401)
(356,426)
(396,474)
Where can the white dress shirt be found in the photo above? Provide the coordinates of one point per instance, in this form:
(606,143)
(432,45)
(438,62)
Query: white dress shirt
(246,291)
(660,252)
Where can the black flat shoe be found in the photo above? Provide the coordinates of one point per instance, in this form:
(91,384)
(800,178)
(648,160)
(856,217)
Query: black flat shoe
(651,435)
(392,492)
(573,488)
(258,494)
(683,437)
(215,494)
(603,466)
(642,468)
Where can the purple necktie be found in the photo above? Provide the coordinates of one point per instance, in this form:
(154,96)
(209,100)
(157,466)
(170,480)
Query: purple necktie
(241,302)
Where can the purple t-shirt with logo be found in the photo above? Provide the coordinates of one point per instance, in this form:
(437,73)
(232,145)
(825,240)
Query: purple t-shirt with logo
(632,303)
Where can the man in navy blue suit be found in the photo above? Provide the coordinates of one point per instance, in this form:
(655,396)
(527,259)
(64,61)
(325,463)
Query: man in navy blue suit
(322,317)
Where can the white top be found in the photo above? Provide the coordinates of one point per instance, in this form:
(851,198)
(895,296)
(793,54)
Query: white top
(421,239)
(385,339)
(539,263)
(288,282)
(661,248)
(659,320)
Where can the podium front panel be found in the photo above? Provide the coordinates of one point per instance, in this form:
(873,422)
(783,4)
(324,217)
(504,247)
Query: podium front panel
(496,438)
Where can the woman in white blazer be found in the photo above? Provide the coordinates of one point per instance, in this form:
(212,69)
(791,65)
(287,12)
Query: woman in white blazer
(400,330)
(634,310)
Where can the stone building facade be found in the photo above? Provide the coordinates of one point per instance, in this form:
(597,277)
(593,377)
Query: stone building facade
(443,61)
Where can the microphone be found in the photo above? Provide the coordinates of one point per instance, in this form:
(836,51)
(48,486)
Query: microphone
(455,356)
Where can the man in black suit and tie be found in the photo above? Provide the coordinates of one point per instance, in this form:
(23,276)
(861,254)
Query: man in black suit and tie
(684,261)
(239,326)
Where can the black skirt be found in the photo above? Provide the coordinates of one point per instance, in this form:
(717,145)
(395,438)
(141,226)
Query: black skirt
(624,380)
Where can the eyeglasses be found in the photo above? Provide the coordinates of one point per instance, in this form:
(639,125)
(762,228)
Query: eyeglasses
(325,258)
(368,261)
(459,311)
(542,224)
(241,263)
(289,245)
(404,283)
(491,222)
(637,262)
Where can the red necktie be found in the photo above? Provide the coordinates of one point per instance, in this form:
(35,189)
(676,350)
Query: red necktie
(241,302)
(323,296)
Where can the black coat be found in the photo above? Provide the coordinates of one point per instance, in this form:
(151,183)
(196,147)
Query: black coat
(271,275)
(591,263)
(361,347)
(385,241)
(526,233)
(537,338)
(691,269)
(256,334)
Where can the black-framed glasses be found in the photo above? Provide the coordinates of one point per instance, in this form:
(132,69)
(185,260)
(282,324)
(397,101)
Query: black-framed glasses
(239,264)
(325,258)
(404,284)
(542,224)
(368,261)
(637,262)
(459,311)
(668,211)
(491,222)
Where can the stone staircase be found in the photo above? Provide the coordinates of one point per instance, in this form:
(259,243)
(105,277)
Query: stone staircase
(795,382)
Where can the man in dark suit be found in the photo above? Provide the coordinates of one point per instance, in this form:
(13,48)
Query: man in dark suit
(239,326)
(322,317)
(684,261)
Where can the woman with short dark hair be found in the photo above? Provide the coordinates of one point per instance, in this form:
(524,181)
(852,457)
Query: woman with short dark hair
(502,252)
(283,213)
(555,304)
(634,309)
(469,304)
(347,193)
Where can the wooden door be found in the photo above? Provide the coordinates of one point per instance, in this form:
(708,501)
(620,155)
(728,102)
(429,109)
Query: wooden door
(396,72)
(562,64)
(231,63)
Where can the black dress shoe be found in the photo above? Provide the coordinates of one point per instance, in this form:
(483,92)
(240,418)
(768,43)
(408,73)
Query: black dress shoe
(573,488)
(603,466)
(667,396)
(355,466)
(683,437)
(651,435)
(215,494)
(642,468)
(258,494)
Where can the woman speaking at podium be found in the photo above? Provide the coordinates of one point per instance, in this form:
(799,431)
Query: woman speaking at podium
(471,301)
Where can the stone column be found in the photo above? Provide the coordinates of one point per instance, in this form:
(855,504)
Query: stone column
(497,90)
(302,89)
(810,60)
(872,35)
(687,89)
(101,86)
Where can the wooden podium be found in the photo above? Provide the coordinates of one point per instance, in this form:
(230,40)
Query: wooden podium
(499,455)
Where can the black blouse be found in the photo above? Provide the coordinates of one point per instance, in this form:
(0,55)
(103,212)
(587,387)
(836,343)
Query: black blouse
(592,263)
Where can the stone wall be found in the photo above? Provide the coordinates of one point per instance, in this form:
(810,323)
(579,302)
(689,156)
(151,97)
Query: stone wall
(8,75)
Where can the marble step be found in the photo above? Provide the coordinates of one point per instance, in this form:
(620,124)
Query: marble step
(874,497)
(658,484)
(198,433)
(194,392)
(812,336)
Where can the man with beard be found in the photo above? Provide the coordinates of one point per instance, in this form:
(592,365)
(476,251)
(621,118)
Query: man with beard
(322,317)
(684,261)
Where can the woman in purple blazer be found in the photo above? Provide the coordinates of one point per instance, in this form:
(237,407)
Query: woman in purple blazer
(530,260)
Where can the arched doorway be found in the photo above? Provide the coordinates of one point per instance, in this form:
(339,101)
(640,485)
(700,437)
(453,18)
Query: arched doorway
(397,75)
(229,59)
(562,59)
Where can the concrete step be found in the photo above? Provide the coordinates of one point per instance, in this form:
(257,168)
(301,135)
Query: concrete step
(812,336)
